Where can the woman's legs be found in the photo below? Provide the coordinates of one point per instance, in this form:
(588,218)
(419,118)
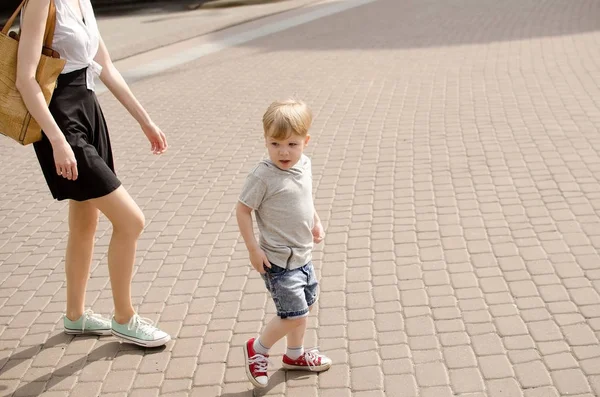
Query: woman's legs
(83,220)
(128,222)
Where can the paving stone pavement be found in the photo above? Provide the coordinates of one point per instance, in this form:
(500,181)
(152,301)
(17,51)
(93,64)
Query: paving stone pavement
(456,169)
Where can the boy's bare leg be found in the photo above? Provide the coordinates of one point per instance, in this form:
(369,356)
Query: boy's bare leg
(256,351)
(296,358)
(295,339)
(278,328)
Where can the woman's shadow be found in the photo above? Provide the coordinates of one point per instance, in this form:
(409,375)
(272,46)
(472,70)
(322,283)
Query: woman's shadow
(106,351)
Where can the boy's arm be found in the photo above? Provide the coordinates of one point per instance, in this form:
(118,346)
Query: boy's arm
(258,258)
(317,219)
(317,231)
(243,214)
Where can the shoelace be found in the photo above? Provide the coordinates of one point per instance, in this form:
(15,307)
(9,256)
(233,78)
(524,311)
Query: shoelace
(261,362)
(141,323)
(312,356)
(89,314)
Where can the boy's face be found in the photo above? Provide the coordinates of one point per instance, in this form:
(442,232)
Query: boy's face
(287,152)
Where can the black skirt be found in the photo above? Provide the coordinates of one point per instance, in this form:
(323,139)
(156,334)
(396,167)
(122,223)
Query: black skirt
(78,115)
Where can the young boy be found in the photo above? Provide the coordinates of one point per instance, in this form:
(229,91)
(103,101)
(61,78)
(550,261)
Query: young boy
(279,191)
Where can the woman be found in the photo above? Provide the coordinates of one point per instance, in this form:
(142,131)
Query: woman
(76,160)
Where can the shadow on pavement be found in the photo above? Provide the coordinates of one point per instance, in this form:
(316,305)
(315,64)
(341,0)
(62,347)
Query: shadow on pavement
(428,23)
(278,377)
(147,8)
(53,341)
(434,23)
(106,351)
(421,24)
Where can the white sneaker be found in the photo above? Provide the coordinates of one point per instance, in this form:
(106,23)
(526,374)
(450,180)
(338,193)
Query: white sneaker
(140,331)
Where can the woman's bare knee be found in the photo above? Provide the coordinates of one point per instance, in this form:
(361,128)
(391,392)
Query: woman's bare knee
(132,225)
(122,211)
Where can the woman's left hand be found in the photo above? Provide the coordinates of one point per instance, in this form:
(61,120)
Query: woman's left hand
(157,138)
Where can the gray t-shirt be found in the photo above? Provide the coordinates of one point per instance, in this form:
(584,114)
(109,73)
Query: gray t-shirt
(283,205)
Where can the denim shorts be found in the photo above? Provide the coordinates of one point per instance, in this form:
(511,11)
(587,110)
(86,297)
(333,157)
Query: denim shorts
(293,291)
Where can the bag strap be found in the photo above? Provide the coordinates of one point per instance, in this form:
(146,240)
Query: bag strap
(50,25)
(50,22)
(11,20)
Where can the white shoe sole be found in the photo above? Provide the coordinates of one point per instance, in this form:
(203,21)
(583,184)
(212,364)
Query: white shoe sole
(320,368)
(140,342)
(247,367)
(105,332)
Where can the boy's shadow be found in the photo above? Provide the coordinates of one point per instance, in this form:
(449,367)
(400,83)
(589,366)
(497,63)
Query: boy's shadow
(106,351)
(278,377)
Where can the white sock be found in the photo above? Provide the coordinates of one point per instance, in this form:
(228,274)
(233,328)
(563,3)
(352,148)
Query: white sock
(294,352)
(259,348)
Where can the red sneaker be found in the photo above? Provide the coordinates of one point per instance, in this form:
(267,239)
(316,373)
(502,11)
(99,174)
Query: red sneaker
(256,365)
(311,360)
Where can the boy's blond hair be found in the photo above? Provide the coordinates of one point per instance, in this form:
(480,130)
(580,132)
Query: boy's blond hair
(284,118)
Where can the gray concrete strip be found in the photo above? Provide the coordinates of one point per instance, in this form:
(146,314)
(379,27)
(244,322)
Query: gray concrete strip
(159,25)
(159,60)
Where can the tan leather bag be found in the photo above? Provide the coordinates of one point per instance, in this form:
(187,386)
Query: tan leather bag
(15,120)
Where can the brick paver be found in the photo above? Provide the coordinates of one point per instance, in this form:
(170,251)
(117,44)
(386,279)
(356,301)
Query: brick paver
(456,169)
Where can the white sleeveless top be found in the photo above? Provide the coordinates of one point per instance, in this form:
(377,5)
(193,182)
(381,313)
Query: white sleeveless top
(77,41)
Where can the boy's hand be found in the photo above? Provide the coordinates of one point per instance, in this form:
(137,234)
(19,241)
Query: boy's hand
(318,233)
(258,258)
